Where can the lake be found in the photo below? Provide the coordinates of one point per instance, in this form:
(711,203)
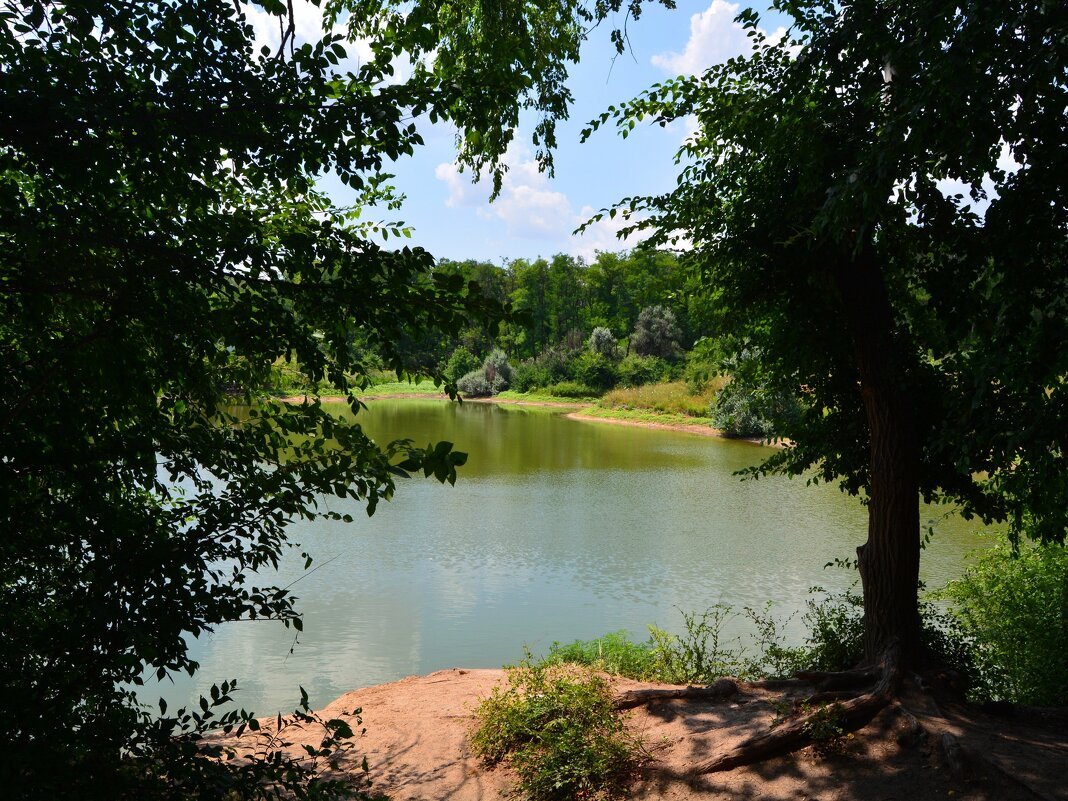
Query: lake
(557,529)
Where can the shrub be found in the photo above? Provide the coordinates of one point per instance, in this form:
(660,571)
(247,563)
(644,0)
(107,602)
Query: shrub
(461,362)
(475,385)
(493,377)
(557,727)
(603,342)
(700,655)
(835,625)
(595,370)
(571,389)
(528,375)
(557,361)
(287,378)
(1013,607)
(826,727)
(741,410)
(703,365)
(635,371)
(497,370)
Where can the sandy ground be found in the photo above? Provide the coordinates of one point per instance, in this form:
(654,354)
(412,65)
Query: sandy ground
(689,428)
(417,745)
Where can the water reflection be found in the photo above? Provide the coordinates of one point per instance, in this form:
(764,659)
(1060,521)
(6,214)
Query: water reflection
(558,529)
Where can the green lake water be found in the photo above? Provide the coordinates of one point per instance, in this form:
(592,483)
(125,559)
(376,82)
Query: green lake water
(557,529)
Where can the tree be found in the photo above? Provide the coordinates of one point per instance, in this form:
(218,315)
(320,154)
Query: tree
(925,334)
(656,333)
(603,342)
(163,244)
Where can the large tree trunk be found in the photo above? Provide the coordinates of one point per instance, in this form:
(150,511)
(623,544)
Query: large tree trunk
(890,560)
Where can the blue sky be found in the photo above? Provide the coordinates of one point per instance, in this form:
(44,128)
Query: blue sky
(535,215)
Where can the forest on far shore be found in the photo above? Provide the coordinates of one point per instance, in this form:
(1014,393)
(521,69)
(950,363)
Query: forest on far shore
(579,330)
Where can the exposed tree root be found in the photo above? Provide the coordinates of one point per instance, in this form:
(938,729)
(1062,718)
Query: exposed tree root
(840,680)
(853,711)
(793,735)
(851,715)
(719,690)
(913,710)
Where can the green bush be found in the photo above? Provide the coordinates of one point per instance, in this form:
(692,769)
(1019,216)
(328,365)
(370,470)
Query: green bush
(656,333)
(528,375)
(835,641)
(703,365)
(461,362)
(700,655)
(571,389)
(636,371)
(1013,608)
(475,385)
(595,370)
(740,410)
(557,727)
(287,378)
(835,626)
(497,370)
(604,342)
(558,362)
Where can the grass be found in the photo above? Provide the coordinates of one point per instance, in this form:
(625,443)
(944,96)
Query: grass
(614,653)
(387,388)
(541,396)
(645,416)
(672,398)
(701,654)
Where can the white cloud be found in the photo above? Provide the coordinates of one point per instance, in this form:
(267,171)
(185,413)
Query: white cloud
(527,205)
(603,235)
(530,208)
(461,190)
(714,38)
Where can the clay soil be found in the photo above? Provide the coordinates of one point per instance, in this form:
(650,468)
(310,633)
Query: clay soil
(417,746)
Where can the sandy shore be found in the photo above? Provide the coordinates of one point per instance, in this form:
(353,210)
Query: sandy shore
(417,744)
(689,428)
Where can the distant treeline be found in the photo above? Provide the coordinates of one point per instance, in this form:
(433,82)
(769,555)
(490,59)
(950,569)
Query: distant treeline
(559,302)
(564,298)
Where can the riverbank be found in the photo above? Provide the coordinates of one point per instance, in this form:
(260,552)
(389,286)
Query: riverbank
(417,745)
(583,410)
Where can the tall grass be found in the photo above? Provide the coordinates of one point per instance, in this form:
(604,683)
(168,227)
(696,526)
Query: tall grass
(672,398)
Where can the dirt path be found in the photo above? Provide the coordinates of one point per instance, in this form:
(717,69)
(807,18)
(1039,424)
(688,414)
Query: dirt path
(417,746)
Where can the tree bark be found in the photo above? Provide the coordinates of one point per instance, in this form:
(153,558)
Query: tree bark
(890,560)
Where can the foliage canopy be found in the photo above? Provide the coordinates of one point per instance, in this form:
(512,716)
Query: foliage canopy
(162,243)
(923,329)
